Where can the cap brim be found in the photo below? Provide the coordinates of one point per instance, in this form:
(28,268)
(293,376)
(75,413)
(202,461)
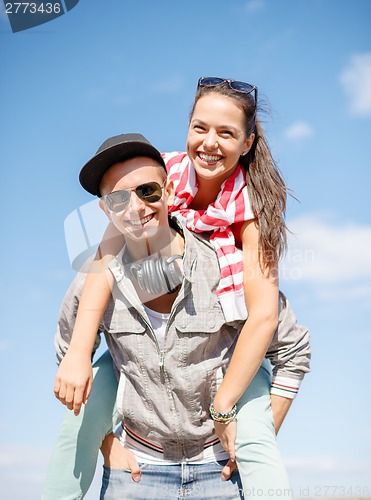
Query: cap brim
(92,172)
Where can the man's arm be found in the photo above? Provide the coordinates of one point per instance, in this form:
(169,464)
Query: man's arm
(290,355)
(289,352)
(280,407)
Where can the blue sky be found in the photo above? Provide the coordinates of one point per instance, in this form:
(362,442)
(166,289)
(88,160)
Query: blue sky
(114,66)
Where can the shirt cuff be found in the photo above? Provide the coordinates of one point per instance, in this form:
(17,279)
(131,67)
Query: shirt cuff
(285,386)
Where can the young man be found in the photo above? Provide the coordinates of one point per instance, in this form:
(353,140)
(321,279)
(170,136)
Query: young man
(168,338)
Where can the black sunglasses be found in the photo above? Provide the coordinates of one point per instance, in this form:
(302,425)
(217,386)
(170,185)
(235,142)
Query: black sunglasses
(243,87)
(149,192)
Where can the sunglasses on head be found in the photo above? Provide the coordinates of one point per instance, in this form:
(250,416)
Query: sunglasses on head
(149,192)
(243,87)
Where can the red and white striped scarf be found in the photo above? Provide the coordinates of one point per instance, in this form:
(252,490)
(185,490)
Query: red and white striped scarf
(232,205)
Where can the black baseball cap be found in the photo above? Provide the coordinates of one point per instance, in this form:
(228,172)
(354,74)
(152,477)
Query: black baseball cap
(115,149)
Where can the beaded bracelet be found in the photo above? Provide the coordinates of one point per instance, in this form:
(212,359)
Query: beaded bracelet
(223,418)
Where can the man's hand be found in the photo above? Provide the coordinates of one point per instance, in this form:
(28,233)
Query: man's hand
(229,467)
(118,457)
(74,380)
(227,435)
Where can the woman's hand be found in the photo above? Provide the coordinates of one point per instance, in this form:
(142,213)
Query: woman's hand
(227,435)
(74,380)
(118,457)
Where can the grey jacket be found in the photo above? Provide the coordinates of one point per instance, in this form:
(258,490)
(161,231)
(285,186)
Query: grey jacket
(164,395)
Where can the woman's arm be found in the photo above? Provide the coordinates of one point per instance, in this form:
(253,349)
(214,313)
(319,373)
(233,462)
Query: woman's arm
(75,377)
(261,295)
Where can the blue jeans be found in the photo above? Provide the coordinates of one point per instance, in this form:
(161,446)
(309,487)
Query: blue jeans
(175,482)
(73,462)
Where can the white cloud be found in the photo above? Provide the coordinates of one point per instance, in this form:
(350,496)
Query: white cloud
(93,94)
(328,476)
(352,293)
(4,345)
(363,338)
(321,252)
(22,469)
(314,464)
(35,294)
(22,456)
(364,432)
(298,130)
(172,84)
(254,5)
(326,464)
(123,100)
(116,97)
(356,81)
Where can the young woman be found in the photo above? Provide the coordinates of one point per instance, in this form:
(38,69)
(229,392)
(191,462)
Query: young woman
(227,186)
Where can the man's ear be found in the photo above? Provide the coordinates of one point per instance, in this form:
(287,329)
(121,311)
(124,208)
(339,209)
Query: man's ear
(170,192)
(103,206)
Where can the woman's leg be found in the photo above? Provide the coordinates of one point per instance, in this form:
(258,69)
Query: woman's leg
(73,462)
(258,458)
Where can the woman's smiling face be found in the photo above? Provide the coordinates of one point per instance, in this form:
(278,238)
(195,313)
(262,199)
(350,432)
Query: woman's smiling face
(216,137)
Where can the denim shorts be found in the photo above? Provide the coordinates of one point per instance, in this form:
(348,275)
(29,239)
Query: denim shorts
(175,482)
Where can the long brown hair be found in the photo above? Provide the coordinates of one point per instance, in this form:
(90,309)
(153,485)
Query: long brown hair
(265,184)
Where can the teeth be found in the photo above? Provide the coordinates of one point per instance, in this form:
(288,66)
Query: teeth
(209,158)
(140,222)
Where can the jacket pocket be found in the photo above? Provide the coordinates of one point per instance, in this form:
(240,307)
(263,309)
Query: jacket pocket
(200,320)
(118,318)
